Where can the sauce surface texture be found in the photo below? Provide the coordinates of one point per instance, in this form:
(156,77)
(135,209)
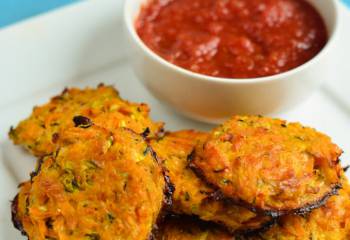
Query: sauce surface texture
(233,38)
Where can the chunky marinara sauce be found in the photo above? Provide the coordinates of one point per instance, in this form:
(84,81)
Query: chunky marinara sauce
(233,38)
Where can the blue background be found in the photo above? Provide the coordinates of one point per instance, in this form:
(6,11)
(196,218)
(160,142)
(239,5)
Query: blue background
(12,11)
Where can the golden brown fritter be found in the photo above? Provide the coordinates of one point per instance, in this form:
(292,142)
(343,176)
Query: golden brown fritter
(192,196)
(103,105)
(331,222)
(98,185)
(185,228)
(270,165)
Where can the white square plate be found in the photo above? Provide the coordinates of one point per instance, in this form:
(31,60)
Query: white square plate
(82,45)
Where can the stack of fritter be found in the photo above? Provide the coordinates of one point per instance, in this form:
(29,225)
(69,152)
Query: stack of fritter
(282,172)
(107,171)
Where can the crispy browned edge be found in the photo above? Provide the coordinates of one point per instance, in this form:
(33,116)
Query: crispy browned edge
(16,222)
(169,186)
(272,213)
(167,198)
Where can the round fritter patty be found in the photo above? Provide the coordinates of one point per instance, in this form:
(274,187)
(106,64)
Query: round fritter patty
(103,105)
(192,196)
(270,165)
(186,228)
(98,185)
(331,222)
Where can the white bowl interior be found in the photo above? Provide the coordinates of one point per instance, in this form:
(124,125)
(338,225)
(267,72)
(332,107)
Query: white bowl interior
(329,11)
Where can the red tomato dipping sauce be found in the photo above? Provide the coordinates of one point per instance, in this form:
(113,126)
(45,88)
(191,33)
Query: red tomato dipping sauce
(233,38)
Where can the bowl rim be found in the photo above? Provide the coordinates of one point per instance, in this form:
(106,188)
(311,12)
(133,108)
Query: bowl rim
(130,25)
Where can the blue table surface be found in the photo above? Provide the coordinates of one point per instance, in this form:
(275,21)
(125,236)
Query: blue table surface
(12,11)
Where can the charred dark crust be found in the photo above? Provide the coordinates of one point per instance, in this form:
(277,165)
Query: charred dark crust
(167,204)
(101,85)
(168,192)
(153,234)
(266,222)
(262,229)
(40,163)
(169,188)
(146,133)
(298,211)
(217,195)
(190,157)
(154,155)
(12,132)
(271,213)
(61,95)
(55,137)
(16,222)
(317,204)
(82,122)
(156,231)
(65,90)
(346,168)
(38,169)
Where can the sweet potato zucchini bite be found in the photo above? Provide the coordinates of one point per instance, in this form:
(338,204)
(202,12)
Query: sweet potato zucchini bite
(330,222)
(98,185)
(103,105)
(192,196)
(269,165)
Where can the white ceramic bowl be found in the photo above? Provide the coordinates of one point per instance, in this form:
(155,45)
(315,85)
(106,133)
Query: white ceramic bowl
(212,99)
